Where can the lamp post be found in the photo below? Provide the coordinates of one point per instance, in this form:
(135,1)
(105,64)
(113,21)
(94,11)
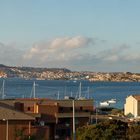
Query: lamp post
(29,129)
(96,112)
(7,128)
(74,133)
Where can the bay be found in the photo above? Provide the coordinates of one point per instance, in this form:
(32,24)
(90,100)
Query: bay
(99,91)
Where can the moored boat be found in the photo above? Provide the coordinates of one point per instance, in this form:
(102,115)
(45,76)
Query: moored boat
(112,101)
(105,103)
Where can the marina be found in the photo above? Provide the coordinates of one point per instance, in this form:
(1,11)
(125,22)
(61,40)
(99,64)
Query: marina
(58,89)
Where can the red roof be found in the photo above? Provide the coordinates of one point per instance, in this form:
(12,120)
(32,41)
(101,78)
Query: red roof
(33,99)
(137,97)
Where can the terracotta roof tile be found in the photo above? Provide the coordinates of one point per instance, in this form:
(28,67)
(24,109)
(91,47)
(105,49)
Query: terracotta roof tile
(11,114)
(137,97)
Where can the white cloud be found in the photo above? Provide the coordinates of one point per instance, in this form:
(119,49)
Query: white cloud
(71,52)
(113,55)
(59,50)
(76,53)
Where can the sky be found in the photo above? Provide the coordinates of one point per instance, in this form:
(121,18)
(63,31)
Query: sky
(81,35)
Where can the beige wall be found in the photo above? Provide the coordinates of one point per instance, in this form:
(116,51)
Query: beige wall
(131,106)
(138,108)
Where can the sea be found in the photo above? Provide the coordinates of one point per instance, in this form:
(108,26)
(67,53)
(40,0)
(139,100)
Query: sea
(58,89)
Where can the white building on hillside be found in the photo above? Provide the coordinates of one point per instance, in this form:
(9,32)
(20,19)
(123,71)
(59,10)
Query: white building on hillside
(132,105)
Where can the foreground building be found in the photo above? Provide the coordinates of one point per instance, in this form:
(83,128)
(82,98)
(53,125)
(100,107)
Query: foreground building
(14,124)
(132,106)
(43,118)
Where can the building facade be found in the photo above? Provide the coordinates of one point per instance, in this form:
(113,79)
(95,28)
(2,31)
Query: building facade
(132,106)
(45,118)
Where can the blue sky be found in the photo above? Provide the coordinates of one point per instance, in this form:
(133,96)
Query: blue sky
(95,35)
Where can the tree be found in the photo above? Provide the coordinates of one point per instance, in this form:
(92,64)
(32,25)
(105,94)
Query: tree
(107,130)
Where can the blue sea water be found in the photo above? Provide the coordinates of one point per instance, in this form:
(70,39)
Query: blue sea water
(99,91)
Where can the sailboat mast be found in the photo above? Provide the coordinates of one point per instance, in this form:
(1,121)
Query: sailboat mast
(80,90)
(3,84)
(34,90)
(58,96)
(88,92)
(71,94)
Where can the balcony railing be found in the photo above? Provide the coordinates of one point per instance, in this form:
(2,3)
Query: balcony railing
(70,115)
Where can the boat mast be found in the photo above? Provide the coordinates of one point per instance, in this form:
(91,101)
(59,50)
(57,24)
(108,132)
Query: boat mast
(34,89)
(65,91)
(80,90)
(58,96)
(3,84)
(71,94)
(88,92)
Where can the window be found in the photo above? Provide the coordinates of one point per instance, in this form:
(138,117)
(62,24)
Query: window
(61,109)
(29,109)
(81,108)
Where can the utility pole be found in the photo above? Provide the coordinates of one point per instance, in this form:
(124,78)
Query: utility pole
(74,133)
(29,129)
(96,112)
(7,127)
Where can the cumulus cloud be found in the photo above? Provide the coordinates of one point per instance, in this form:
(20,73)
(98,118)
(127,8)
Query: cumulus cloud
(113,55)
(71,52)
(59,50)
(76,53)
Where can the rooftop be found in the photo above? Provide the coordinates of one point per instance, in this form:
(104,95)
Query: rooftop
(137,97)
(11,114)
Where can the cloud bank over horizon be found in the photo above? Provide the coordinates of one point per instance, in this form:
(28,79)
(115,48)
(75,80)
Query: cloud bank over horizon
(75,53)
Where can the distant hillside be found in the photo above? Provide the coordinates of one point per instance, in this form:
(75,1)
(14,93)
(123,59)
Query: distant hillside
(2,66)
(66,74)
(29,72)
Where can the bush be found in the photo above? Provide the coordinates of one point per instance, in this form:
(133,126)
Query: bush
(107,130)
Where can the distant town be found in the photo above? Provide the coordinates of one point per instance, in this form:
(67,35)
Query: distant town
(65,74)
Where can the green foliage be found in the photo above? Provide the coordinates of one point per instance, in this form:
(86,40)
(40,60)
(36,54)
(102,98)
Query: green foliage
(32,137)
(130,115)
(117,111)
(108,130)
(134,132)
(20,132)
